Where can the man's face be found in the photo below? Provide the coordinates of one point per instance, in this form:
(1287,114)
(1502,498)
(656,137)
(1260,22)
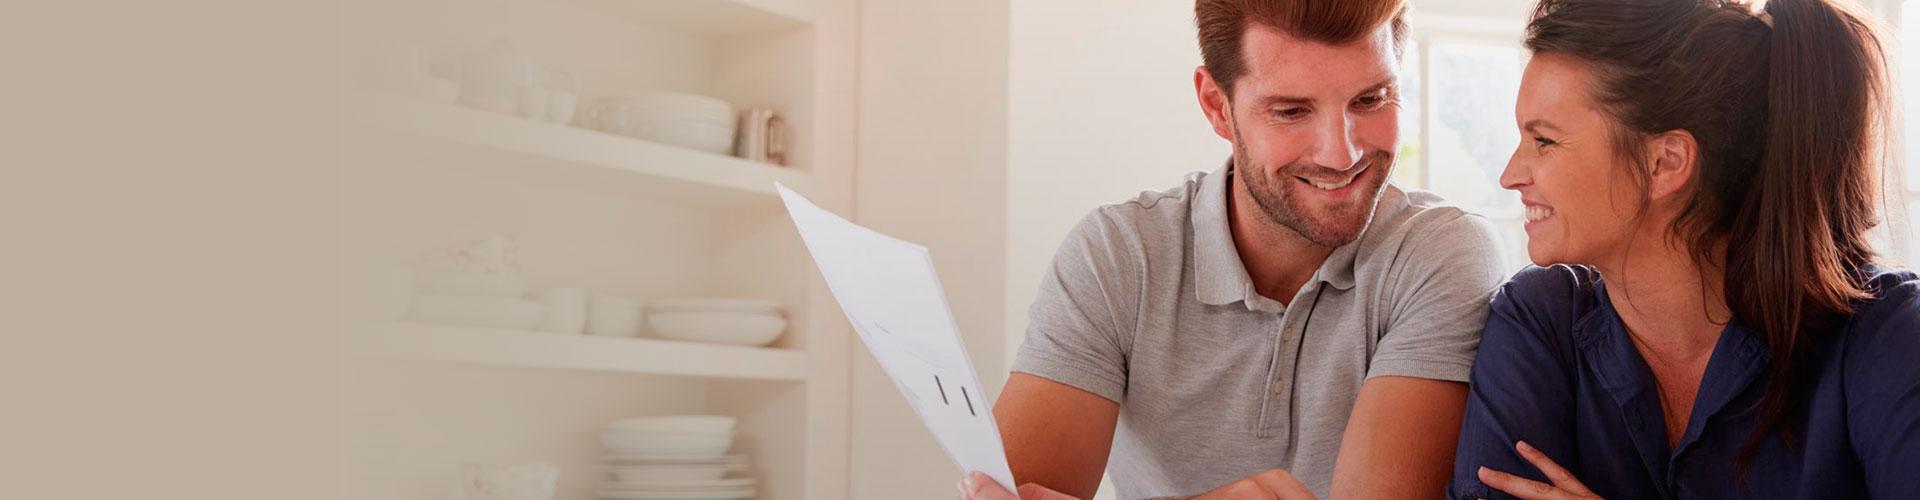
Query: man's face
(1314,127)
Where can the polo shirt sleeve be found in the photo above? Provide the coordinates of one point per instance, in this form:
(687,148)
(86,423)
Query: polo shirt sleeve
(1883,389)
(1439,301)
(1080,327)
(1520,388)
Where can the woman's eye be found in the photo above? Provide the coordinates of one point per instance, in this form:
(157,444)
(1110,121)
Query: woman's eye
(1542,142)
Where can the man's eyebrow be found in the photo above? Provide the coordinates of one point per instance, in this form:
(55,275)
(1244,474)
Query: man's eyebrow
(1274,100)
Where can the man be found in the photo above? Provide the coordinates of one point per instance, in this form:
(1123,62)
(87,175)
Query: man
(1288,325)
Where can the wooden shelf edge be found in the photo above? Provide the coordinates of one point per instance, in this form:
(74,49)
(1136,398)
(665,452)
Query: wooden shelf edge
(529,349)
(583,147)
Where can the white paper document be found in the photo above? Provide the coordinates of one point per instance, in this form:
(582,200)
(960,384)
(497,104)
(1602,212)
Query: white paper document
(889,292)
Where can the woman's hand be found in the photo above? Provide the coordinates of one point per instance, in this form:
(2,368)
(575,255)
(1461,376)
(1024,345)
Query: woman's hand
(1564,487)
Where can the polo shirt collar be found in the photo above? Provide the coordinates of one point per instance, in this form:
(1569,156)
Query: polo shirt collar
(1221,277)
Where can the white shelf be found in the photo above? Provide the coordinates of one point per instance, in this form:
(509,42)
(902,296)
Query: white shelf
(711,19)
(591,157)
(581,352)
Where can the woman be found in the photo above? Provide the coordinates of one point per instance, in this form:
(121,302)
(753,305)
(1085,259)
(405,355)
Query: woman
(1709,174)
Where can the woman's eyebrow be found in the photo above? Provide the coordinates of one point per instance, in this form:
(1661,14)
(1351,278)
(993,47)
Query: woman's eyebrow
(1541,124)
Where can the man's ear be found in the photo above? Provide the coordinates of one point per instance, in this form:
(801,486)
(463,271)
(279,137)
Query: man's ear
(1672,158)
(1213,102)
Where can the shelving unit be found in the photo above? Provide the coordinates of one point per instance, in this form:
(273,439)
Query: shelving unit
(524,349)
(592,157)
(607,214)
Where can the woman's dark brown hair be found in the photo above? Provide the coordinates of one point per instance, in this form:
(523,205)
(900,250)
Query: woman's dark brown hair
(1788,107)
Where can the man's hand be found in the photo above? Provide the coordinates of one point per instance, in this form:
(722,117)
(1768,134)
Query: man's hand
(977,486)
(1274,484)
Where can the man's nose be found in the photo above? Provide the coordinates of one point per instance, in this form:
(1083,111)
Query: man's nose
(1334,146)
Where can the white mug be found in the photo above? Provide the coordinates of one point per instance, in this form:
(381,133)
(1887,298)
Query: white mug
(566,310)
(613,316)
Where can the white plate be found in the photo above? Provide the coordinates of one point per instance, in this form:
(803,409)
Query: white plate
(665,495)
(698,473)
(690,445)
(734,328)
(679,485)
(638,460)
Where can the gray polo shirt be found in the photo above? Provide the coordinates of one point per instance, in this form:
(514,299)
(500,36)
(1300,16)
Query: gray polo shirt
(1148,304)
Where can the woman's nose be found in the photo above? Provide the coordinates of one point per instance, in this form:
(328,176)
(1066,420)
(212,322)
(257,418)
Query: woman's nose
(1517,174)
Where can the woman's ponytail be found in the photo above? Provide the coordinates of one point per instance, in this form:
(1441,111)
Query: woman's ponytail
(1801,226)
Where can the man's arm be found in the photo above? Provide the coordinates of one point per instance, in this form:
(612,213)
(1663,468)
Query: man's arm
(1056,435)
(1399,441)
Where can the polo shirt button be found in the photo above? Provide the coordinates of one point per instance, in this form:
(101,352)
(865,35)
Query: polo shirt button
(1278,387)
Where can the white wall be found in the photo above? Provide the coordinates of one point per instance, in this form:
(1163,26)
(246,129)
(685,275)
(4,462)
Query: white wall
(932,169)
(1100,107)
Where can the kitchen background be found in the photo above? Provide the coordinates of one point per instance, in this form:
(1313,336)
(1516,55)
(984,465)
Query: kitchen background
(559,218)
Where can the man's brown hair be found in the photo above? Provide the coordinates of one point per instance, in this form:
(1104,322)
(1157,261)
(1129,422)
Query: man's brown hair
(1223,24)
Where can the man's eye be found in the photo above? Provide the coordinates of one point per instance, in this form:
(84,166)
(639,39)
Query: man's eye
(1370,102)
(1542,142)
(1290,113)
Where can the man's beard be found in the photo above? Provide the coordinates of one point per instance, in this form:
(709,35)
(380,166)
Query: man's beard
(1327,225)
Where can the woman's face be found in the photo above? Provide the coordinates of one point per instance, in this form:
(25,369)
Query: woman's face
(1580,197)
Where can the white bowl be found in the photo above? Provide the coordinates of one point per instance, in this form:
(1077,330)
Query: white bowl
(718,305)
(691,445)
(676,423)
(663,101)
(510,314)
(733,328)
(700,135)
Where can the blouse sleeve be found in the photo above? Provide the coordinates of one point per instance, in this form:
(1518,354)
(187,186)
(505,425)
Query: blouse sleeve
(1519,390)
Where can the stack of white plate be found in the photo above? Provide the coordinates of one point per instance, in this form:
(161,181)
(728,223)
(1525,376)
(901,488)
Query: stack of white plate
(689,120)
(748,322)
(676,457)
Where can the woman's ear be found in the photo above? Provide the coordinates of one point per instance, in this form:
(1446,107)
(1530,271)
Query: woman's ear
(1214,102)
(1672,158)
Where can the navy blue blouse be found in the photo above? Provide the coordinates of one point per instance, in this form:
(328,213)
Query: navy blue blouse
(1557,370)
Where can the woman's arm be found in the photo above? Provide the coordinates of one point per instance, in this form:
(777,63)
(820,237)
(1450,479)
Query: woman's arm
(1520,389)
(1883,391)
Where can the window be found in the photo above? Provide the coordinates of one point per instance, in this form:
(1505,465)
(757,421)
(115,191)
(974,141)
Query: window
(1457,131)
(1460,77)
